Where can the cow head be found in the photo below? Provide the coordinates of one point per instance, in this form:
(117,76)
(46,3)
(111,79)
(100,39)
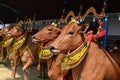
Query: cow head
(48,33)
(72,35)
(4,31)
(16,31)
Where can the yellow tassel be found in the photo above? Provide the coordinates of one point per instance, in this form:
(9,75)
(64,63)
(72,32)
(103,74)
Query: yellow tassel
(38,67)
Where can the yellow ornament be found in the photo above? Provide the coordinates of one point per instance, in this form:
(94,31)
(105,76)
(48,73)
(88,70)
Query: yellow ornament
(54,24)
(7,42)
(19,43)
(73,20)
(45,54)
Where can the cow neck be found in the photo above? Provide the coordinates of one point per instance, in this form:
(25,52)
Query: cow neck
(45,53)
(20,41)
(73,59)
(45,43)
(20,36)
(7,42)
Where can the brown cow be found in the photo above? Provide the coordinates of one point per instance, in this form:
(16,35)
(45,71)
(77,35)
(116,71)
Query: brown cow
(5,43)
(22,40)
(46,40)
(87,59)
(44,36)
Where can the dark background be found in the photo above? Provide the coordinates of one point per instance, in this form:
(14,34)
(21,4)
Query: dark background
(10,10)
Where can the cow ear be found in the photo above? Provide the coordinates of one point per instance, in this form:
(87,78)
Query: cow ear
(58,30)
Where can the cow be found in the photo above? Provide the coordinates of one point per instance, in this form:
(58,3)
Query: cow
(22,39)
(43,37)
(5,43)
(47,39)
(77,49)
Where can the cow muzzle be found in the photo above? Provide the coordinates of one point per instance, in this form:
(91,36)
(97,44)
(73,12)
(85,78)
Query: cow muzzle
(34,39)
(53,50)
(8,34)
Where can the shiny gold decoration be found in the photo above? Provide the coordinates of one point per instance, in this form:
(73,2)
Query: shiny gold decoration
(45,54)
(92,10)
(73,59)
(7,42)
(19,43)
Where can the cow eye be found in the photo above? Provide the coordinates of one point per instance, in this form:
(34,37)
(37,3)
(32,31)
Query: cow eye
(49,30)
(71,33)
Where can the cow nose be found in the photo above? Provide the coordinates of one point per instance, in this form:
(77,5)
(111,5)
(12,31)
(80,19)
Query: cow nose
(33,37)
(51,47)
(8,34)
(53,50)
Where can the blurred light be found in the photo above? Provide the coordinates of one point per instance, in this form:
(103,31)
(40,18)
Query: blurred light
(93,19)
(106,19)
(81,20)
(119,17)
(7,25)
(1,26)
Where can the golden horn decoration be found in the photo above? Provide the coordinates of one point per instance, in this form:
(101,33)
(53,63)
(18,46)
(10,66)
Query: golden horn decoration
(71,13)
(28,20)
(78,16)
(16,21)
(92,10)
(34,17)
(25,19)
(20,23)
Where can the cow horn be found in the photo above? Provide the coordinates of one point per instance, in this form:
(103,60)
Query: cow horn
(20,23)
